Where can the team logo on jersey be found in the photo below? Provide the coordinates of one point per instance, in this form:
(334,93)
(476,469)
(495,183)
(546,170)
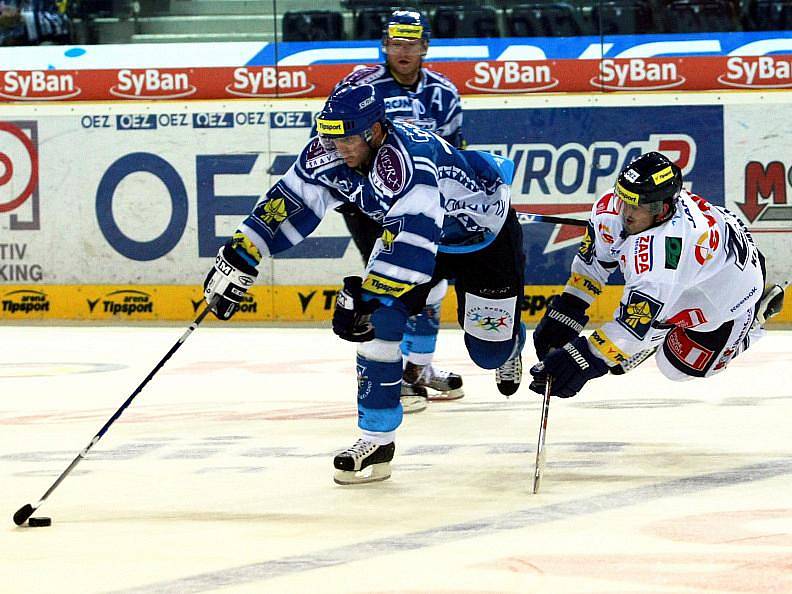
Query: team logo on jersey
(363,382)
(317,155)
(280,206)
(673,250)
(643,254)
(606,233)
(390,172)
(706,245)
(586,250)
(390,230)
(637,315)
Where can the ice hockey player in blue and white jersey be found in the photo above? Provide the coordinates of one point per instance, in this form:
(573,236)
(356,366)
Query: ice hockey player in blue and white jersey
(694,285)
(412,93)
(445,213)
(427,99)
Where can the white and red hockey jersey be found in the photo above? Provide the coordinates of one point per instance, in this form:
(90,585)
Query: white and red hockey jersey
(698,270)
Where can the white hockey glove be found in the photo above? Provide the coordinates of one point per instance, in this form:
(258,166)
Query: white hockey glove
(228,281)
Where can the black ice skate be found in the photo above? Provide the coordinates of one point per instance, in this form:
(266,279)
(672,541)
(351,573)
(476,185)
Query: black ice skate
(770,305)
(509,375)
(445,385)
(413,398)
(351,464)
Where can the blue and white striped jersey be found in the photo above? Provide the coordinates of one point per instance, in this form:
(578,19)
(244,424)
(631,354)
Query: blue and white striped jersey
(427,195)
(434,105)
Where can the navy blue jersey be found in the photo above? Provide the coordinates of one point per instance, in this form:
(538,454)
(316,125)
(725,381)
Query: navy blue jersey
(427,195)
(434,105)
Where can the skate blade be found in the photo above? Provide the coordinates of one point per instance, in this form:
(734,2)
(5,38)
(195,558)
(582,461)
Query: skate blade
(413,404)
(455,394)
(372,474)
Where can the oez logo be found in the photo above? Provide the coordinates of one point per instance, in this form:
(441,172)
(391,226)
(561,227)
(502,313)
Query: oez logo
(209,204)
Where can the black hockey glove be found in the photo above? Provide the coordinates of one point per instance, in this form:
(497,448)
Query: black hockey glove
(352,315)
(563,322)
(570,366)
(228,281)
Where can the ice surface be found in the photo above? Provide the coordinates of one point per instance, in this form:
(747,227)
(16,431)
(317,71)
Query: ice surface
(218,478)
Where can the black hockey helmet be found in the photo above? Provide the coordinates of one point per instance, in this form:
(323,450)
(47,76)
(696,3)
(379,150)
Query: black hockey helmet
(650,180)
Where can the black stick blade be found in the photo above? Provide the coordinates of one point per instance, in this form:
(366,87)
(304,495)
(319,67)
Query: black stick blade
(23,513)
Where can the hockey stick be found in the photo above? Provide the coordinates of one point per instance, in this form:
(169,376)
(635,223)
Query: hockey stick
(527,217)
(540,447)
(24,512)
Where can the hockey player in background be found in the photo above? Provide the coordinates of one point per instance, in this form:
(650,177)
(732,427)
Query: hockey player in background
(694,285)
(445,213)
(430,101)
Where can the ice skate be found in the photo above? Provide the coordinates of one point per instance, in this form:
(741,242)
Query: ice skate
(413,398)
(770,305)
(445,385)
(351,464)
(509,375)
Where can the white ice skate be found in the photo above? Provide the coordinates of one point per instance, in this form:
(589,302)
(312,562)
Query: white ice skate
(444,385)
(352,464)
(413,398)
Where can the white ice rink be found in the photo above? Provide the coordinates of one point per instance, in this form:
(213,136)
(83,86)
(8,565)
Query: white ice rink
(218,478)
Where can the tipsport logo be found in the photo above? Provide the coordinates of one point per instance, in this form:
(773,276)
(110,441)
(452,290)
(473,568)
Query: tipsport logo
(567,179)
(122,303)
(24,302)
(19,175)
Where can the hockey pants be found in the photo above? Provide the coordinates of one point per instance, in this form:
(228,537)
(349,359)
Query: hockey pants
(489,288)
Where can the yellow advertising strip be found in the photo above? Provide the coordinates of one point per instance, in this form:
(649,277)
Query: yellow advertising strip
(600,341)
(181,303)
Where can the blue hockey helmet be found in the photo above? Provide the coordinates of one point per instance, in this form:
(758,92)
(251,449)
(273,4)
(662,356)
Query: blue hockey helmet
(350,110)
(407,24)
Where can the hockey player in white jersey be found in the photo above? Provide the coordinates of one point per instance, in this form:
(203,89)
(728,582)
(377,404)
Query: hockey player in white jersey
(694,285)
(415,94)
(445,214)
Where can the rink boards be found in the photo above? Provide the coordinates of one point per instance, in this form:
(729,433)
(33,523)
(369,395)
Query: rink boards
(115,211)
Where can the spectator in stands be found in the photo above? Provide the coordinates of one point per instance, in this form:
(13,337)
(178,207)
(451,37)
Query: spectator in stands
(31,22)
(12,29)
(46,21)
